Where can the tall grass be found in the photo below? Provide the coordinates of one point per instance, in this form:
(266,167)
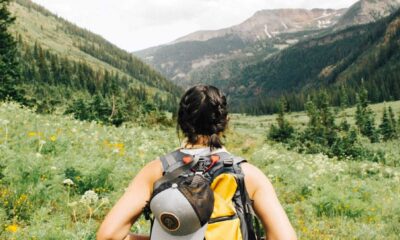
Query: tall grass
(59,177)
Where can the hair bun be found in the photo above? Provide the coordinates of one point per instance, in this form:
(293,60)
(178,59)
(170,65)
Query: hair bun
(215,141)
(203,111)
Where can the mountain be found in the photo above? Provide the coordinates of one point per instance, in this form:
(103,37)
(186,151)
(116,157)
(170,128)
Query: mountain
(62,63)
(266,32)
(267,24)
(255,68)
(338,63)
(366,11)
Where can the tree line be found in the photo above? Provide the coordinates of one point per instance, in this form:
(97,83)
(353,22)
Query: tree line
(39,78)
(323,135)
(369,52)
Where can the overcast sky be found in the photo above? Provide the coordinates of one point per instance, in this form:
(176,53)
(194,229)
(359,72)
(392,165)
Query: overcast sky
(139,24)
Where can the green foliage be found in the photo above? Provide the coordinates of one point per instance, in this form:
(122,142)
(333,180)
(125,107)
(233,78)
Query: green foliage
(116,110)
(365,119)
(322,135)
(184,53)
(393,122)
(101,96)
(93,80)
(336,63)
(321,128)
(83,45)
(325,198)
(9,69)
(388,125)
(331,205)
(284,131)
(98,181)
(398,125)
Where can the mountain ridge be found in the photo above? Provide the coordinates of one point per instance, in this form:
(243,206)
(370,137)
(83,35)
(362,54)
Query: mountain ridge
(261,34)
(176,61)
(339,63)
(38,25)
(366,11)
(69,69)
(282,20)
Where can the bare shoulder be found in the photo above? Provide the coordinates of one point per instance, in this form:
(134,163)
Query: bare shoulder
(150,173)
(266,204)
(255,179)
(154,165)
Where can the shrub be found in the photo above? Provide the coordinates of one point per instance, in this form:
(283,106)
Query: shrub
(97,181)
(284,131)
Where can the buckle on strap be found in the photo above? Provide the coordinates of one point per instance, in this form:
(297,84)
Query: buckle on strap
(228,162)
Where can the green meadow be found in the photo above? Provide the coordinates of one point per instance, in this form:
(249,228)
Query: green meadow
(60,176)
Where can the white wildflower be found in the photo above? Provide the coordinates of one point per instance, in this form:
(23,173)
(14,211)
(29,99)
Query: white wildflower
(388,171)
(4,121)
(299,167)
(105,200)
(68,182)
(72,204)
(89,197)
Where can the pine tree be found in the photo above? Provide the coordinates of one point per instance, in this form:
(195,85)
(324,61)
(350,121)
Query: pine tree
(327,118)
(343,98)
(386,127)
(365,119)
(393,121)
(398,125)
(9,69)
(284,130)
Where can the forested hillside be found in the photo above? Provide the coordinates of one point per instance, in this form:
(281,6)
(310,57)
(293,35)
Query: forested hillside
(65,66)
(332,52)
(336,63)
(267,31)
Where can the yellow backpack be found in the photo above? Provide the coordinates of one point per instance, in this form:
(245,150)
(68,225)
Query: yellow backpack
(233,217)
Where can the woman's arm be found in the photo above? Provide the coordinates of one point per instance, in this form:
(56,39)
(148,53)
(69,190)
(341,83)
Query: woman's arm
(120,219)
(132,236)
(266,204)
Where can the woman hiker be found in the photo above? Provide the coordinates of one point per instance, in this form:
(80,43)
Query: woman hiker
(182,204)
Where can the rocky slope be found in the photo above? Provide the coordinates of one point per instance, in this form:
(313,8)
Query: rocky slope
(267,31)
(366,11)
(267,24)
(205,54)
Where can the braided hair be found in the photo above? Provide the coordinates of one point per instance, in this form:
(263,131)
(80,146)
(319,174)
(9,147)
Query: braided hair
(203,111)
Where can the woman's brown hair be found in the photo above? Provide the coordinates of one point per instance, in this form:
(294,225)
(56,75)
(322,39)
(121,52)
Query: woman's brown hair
(203,112)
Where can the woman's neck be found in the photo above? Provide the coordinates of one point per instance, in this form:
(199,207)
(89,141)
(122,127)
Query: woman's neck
(188,145)
(202,142)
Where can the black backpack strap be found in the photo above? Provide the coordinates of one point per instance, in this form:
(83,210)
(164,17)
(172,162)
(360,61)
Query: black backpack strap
(171,160)
(252,232)
(231,163)
(173,166)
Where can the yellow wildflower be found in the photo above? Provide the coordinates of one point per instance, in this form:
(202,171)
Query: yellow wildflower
(53,138)
(119,145)
(32,134)
(12,228)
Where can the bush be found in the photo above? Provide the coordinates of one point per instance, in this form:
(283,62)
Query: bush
(322,135)
(97,181)
(283,131)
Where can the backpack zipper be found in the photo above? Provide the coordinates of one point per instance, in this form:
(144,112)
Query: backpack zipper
(220,219)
